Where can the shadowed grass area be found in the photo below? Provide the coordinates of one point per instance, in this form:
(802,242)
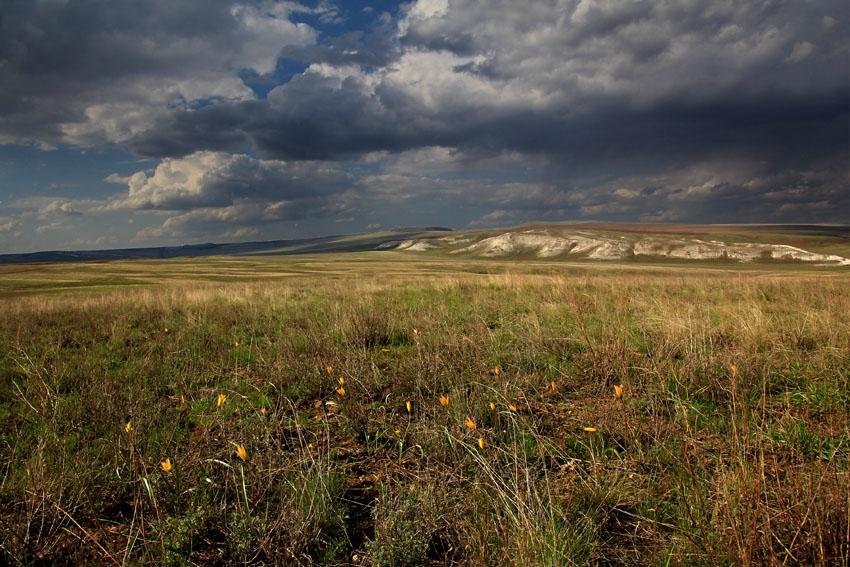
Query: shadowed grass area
(398,411)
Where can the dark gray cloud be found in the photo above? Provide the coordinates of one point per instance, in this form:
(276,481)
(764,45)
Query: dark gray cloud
(244,218)
(373,47)
(327,118)
(91,72)
(582,79)
(499,111)
(587,81)
(721,190)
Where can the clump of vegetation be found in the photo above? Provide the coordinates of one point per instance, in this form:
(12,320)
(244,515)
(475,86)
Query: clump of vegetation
(407,520)
(439,416)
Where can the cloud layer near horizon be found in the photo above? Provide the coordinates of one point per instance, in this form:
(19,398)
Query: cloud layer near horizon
(440,112)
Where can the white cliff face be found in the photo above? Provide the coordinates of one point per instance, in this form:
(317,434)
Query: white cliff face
(457,239)
(611,250)
(544,244)
(421,246)
(415,245)
(541,244)
(744,252)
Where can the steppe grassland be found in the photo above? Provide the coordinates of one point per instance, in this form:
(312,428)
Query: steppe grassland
(394,410)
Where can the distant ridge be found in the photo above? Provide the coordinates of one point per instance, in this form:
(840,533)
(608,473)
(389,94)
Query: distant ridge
(592,241)
(333,243)
(825,245)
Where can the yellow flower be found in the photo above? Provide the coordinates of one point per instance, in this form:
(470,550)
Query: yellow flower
(264,412)
(492,406)
(470,423)
(329,369)
(219,402)
(340,391)
(241,451)
(497,370)
(166,465)
(590,429)
(128,427)
(341,380)
(481,443)
(409,406)
(618,391)
(444,400)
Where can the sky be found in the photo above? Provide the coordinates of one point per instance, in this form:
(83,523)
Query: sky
(147,123)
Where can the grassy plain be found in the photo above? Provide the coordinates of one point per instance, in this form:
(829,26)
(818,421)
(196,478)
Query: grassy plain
(399,410)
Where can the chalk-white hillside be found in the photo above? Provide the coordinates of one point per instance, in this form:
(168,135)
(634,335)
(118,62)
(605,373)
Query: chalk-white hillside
(601,246)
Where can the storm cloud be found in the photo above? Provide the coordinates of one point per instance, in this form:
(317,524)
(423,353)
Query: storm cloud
(499,111)
(91,72)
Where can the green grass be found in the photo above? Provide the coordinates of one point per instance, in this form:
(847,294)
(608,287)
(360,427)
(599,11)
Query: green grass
(696,464)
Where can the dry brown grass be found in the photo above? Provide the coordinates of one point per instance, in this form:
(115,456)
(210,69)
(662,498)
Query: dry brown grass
(696,463)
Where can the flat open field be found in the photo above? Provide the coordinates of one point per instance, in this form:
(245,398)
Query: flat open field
(390,409)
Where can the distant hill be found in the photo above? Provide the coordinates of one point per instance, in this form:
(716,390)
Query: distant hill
(811,244)
(335,243)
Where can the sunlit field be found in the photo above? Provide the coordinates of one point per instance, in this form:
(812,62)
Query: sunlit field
(386,409)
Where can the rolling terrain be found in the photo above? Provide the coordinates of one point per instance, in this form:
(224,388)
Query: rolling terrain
(394,407)
(810,244)
(335,243)
(646,243)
